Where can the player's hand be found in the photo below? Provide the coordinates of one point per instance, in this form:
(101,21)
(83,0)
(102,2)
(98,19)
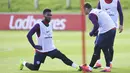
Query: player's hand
(91,34)
(96,33)
(120,28)
(38,47)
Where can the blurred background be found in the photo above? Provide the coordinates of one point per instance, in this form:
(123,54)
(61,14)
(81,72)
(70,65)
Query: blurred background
(14,46)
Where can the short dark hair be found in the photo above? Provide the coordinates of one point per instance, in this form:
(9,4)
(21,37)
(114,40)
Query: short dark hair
(87,5)
(46,10)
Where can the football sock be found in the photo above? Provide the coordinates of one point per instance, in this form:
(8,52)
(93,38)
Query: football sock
(107,67)
(98,61)
(24,63)
(75,66)
(90,68)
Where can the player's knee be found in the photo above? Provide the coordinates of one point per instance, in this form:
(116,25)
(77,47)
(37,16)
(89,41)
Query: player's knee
(32,67)
(35,68)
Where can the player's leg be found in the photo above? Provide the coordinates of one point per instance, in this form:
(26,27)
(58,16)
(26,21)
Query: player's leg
(97,48)
(111,49)
(108,42)
(107,59)
(96,54)
(38,59)
(95,57)
(57,54)
(107,56)
(33,67)
(98,63)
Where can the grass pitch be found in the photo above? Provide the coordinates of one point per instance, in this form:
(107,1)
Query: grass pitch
(14,46)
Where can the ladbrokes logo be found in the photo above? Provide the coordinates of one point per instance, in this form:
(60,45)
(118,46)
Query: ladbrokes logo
(29,22)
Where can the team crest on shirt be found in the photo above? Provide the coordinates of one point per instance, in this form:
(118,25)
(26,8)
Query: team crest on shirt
(47,31)
(48,35)
(109,11)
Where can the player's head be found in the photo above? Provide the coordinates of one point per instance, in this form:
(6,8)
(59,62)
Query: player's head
(87,8)
(47,14)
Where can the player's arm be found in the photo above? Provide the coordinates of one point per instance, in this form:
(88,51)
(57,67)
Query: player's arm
(31,33)
(98,6)
(94,20)
(119,8)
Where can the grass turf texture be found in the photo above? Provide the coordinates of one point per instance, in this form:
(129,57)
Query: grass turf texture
(14,46)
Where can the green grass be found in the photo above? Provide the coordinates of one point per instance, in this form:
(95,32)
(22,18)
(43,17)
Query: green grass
(14,46)
(55,5)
